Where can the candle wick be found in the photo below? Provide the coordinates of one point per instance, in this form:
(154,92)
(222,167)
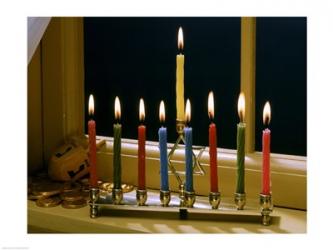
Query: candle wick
(266,122)
(211,119)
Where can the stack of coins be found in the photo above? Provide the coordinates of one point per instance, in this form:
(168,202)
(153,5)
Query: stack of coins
(48,201)
(73,199)
(48,193)
(44,192)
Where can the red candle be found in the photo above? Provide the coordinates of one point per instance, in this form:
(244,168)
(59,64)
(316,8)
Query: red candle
(92,144)
(266,141)
(142,148)
(212,145)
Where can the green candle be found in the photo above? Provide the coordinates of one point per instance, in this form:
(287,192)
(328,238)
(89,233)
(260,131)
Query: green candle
(240,157)
(117,147)
(241,145)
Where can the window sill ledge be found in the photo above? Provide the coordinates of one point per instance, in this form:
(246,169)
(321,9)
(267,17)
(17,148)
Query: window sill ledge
(58,219)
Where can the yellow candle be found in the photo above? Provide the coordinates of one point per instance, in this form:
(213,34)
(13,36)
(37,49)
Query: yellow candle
(180,78)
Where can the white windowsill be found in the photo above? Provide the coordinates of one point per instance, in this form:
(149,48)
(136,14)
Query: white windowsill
(58,219)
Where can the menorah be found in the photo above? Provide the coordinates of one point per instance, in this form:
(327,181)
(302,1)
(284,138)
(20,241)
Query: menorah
(116,203)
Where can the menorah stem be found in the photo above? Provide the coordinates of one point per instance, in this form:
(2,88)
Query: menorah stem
(182,202)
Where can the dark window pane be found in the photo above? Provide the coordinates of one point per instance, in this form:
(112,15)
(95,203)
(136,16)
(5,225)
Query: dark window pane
(281,79)
(136,57)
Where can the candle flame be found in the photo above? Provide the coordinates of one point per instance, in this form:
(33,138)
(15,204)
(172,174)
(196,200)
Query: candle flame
(211,105)
(162,112)
(91,106)
(117,110)
(241,106)
(141,110)
(188,111)
(180,39)
(267,113)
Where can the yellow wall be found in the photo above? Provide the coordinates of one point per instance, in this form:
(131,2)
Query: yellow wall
(55,89)
(35,142)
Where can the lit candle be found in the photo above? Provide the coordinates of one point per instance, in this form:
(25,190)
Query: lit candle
(180,77)
(266,141)
(212,145)
(162,136)
(117,145)
(92,143)
(142,148)
(240,144)
(188,149)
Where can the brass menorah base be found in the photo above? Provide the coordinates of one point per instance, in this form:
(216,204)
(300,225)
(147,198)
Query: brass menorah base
(201,210)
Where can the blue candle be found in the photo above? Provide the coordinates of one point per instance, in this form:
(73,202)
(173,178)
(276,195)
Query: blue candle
(188,159)
(188,149)
(162,135)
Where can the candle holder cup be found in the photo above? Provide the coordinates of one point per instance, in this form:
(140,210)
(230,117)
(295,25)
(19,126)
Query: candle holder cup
(165,198)
(240,200)
(94,197)
(214,199)
(117,196)
(180,125)
(266,208)
(189,198)
(141,197)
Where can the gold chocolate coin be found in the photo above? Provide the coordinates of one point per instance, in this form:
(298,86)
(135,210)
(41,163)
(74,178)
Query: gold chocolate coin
(127,188)
(107,187)
(35,196)
(48,201)
(74,204)
(47,188)
(71,196)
